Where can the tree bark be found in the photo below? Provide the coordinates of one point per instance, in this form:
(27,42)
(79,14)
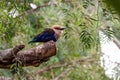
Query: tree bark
(31,57)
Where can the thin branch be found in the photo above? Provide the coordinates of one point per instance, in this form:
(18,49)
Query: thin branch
(116,41)
(38,7)
(41,6)
(62,74)
(58,65)
(113,38)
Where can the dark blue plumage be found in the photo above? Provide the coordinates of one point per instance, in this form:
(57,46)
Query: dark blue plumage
(47,35)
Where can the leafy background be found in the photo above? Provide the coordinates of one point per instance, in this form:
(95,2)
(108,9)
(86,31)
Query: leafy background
(79,45)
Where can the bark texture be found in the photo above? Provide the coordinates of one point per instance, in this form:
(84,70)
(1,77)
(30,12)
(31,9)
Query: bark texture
(31,57)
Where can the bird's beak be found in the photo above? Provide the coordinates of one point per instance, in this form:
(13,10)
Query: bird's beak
(62,28)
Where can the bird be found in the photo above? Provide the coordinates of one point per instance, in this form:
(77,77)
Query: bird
(48,34)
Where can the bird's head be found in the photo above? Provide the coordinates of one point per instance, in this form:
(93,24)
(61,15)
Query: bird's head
(58,27)
(58,30)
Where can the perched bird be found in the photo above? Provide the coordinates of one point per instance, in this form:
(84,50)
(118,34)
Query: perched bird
(52,33)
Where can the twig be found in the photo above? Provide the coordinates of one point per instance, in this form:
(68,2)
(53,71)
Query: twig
(50,67)
(58,65)
(113,38)
(41,6)
(38,7)
(62,74)
(116,41)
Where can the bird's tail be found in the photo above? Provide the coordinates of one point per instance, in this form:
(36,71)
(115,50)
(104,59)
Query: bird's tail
(34,40)
(30,42)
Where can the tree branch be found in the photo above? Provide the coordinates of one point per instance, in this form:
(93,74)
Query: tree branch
(113,38)
(31,57)
(116,41)
(38,7)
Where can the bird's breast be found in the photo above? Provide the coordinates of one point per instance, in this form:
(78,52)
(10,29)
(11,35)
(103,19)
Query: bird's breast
(57,35)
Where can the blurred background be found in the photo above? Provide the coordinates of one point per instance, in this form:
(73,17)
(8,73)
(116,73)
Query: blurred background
(78,50)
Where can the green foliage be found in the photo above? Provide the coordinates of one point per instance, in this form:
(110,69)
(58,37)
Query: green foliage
(113,4)
(82,20)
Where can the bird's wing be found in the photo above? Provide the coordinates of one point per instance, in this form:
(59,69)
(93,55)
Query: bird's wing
(46,35)
(47,31)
